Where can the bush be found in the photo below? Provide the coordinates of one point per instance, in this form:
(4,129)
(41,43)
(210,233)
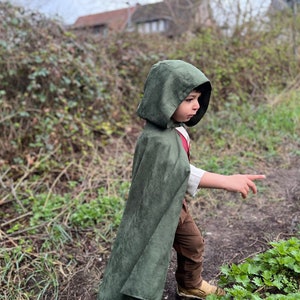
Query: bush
(273,274)
(50,92)
(62,92)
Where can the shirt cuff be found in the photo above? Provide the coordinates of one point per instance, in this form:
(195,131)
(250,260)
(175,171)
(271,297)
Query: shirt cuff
(194,180)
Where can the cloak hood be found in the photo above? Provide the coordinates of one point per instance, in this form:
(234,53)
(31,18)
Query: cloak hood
(168,83)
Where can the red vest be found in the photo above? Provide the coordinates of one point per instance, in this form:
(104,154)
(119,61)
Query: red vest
(185,144)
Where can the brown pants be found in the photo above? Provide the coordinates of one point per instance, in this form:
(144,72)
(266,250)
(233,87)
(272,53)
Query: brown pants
(189,245)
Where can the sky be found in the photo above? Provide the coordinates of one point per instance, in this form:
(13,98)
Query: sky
(233,12)
(69,10)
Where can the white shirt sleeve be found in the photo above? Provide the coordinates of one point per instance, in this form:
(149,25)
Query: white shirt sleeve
(194,180)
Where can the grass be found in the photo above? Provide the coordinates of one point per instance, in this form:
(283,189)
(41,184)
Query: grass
(242,136)
(27,275)
(46,230)
(45,234)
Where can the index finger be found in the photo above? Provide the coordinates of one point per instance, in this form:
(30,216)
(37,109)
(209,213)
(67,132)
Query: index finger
(256,177)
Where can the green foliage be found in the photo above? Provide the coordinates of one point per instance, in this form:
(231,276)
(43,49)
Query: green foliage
(42,278)
(105,209)
(273,274)
(68,129)
(33,268)
(49,208)
(50,90)
(261,133)
(244,66)
(65,94)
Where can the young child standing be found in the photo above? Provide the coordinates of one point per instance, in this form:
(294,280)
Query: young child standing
(156,216)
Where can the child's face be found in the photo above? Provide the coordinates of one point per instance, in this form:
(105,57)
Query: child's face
(188,108)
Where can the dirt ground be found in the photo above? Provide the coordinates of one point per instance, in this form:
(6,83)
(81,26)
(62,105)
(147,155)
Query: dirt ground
(233,228)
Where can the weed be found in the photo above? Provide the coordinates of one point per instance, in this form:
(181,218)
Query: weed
(102,210)
(273,274)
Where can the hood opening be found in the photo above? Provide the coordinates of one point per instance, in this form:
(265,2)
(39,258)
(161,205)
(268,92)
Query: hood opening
(205,90)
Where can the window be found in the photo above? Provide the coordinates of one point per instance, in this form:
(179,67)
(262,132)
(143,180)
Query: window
(153,26)
(99,29)
(162,25)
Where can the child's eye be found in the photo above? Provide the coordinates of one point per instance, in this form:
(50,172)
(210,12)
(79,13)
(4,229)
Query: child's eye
(189,99)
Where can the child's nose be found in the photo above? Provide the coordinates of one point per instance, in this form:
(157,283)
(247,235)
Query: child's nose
(196,105)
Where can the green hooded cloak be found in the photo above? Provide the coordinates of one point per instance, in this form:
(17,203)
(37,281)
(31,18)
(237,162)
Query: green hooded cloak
(140,257)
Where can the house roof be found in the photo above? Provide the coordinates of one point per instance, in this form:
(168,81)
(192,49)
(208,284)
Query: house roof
(150,12)
(115,19)
(178,9)
(180,13)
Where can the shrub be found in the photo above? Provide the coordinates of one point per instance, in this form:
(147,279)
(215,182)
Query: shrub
(50,92)
(273,274)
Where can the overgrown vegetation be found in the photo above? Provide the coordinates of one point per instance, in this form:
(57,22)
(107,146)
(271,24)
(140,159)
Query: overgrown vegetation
(273,132)
(273,274)
(68,128)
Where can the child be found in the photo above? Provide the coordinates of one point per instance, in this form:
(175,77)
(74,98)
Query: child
(156,217)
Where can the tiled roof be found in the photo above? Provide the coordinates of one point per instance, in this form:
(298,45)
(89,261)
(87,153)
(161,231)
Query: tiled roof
(115,19)
(179,14)
(149,12)
(181,9)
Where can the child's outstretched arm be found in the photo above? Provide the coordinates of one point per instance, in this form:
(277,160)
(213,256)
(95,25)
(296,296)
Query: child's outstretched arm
(232,183)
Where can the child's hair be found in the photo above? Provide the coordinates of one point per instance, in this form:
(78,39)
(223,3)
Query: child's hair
(203,87)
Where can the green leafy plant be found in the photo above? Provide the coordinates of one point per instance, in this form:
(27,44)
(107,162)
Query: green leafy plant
(49,85)
(273,274)
(102,210)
